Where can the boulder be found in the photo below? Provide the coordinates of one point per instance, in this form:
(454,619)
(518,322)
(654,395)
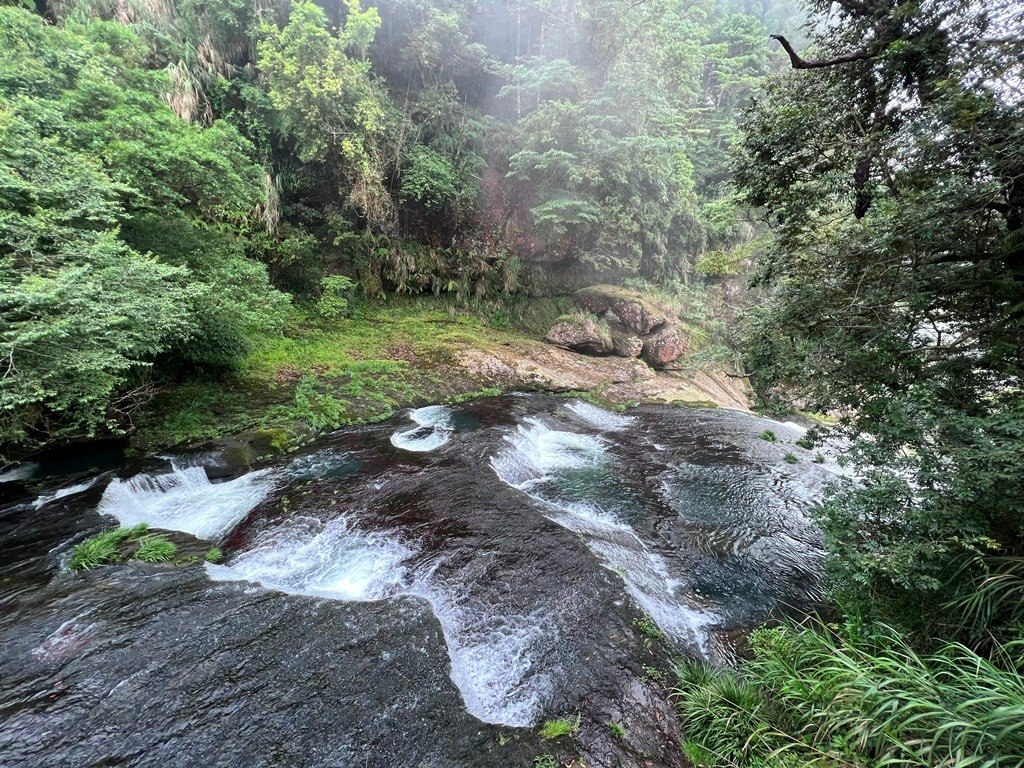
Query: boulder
(581,333)
(630,308)
(627,345)
(664,346)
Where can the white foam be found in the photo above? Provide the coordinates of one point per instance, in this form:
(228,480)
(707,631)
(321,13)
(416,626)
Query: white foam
(538,451)
(306,557)
(433,416)
(19,472)
(434,429)
(186,500)
(60,493)
(600,418)
(531,462)
(492,656)
(491,651)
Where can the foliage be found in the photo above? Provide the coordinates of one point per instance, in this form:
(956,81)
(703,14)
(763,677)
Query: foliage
(88,150)
(103,548)
(155,549)
(213,555)
(328,102)
(562,726)
(170,168)
(893,289)
(336,293)
(855,697)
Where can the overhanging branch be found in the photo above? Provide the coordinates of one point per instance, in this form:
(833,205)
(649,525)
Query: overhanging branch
(799,63)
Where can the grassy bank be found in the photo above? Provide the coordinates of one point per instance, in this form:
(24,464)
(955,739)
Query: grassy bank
(325,374)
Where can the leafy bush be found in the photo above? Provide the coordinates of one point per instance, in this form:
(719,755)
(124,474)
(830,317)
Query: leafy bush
(335,295)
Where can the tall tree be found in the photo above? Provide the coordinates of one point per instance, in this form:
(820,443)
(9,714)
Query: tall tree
(891,165)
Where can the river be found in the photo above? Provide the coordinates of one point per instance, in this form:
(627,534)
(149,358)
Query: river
(419,592)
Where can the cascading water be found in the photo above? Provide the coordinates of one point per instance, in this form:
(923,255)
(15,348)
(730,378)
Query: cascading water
(186,500)
(434,429)
(402,596)
(572,476)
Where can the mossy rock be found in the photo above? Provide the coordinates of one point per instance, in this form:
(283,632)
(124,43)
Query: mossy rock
(581,332)
(637,312)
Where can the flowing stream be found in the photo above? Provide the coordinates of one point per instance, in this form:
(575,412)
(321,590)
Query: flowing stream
(421,592)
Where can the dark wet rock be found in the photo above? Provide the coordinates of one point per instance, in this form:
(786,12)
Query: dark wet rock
(646,730)
(635,311)
(581,333)
(665,346)
(231,456)
(139,665)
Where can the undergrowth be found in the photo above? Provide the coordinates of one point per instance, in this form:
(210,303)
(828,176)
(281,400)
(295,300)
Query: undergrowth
(851,696)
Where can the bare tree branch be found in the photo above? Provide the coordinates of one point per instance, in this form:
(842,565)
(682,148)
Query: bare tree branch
(799,63)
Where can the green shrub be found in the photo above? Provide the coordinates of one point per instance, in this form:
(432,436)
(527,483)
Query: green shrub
(618,732)
(790,458)
(770,436)
(214,555)
(335,296)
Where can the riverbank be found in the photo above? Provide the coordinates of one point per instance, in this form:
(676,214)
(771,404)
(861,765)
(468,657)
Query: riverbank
(407,352)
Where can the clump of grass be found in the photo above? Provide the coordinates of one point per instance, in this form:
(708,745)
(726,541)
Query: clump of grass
(103,548)
(650,630)
(698,755)
(790,458)
(561,726)
(818,695)
(155,549)
(655,674)
(769,436)
(818,458)
(214,555)
(805,442)
(618,732)
(544,761)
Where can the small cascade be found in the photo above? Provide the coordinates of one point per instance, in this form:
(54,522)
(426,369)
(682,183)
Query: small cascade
(186,500)
(558,468)
(307,557)
(434,429)
(60,493)
(598,418)
(491,651)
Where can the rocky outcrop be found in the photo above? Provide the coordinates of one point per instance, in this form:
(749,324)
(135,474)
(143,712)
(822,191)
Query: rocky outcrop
(628,308)
(627,345)
(664,346)
(581,333)
(622,322)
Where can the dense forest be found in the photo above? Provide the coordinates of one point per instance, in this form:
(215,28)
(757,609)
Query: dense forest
(180,180)
(178,175)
